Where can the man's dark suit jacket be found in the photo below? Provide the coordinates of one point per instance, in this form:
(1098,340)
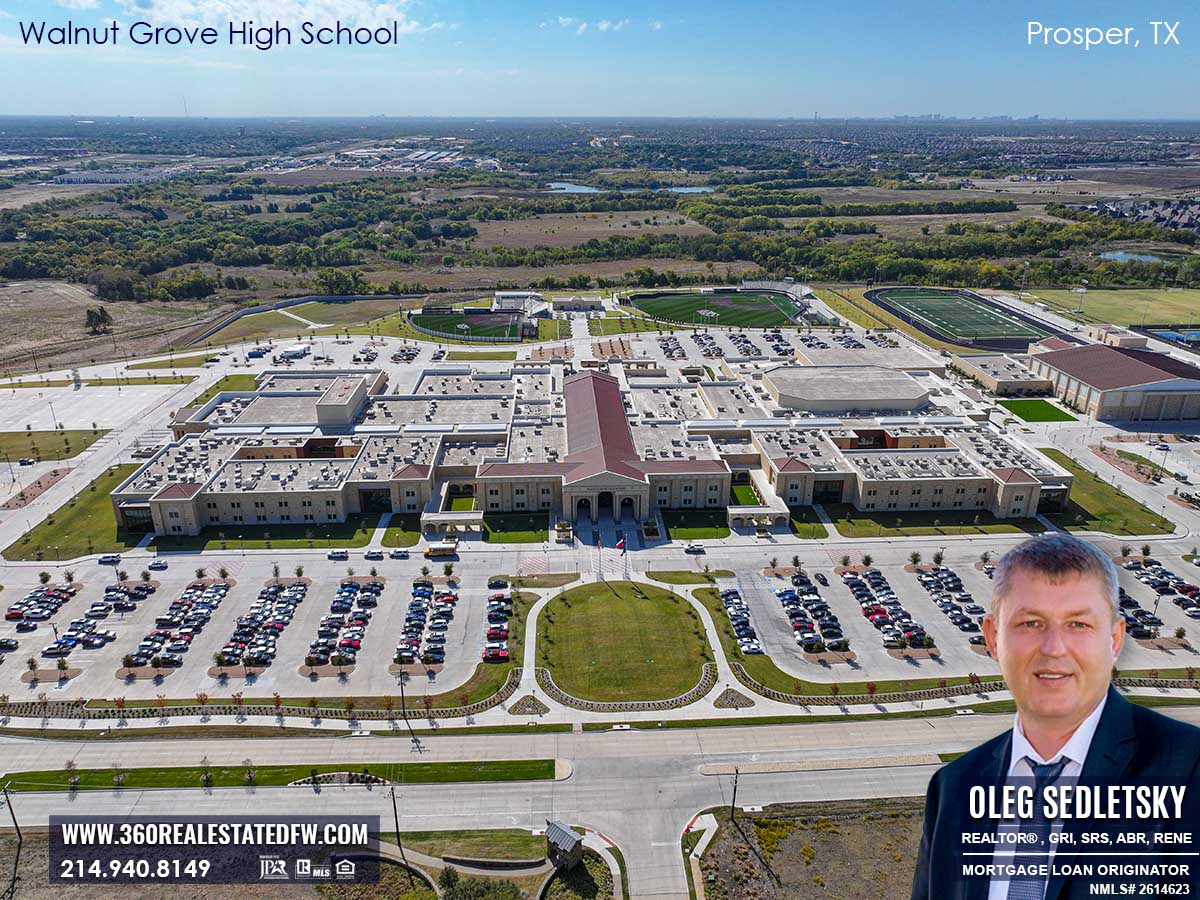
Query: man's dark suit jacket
(1132,745)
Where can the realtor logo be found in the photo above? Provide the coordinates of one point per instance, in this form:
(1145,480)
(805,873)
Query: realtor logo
(272,869)
(343,869)
(306,869)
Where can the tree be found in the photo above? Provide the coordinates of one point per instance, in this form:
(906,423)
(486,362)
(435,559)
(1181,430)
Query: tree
(275,570)
(867,559)
(774,562)
(796,562)
(223,572)
(845,560)
(44,577)
(62,662)
(938,556)
(201,572)
(218,659)
(69,574)
(985,557)
(127,660)
(425,570)
(1126,550)
(448,569)
(1145,549)
(299,571)
(122,575)
(914,558)
(145,576)
(202,699)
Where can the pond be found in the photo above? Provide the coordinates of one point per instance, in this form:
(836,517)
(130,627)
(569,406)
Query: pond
(567,187)
(1126,256)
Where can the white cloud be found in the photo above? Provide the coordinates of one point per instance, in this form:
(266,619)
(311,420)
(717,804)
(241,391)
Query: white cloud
(583,26)
(78,4)
(609,25)
(564,21)
(288,12)
(656,25)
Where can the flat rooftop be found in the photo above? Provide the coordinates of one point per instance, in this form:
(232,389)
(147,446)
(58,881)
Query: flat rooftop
(414,410)
(668,402)
(279,409)
(991,451)
(913,465)
(731,400)
(670,440)
(279,475)
(537,442)
(384,453)
(471,453)
(298,381)
(194,460)
(809,446)
(858,387)
(1002,367)
(463,384)
(900,356)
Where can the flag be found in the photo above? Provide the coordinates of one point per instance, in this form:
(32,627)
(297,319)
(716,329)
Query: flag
(621,544)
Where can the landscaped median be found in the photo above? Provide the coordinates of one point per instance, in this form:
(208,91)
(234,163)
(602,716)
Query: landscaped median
(250,775)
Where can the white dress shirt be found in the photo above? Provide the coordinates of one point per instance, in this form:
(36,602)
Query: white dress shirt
(1020,771)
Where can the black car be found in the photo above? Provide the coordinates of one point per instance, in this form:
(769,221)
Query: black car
(7,645)
(821,579)
(26,625)
(497,584)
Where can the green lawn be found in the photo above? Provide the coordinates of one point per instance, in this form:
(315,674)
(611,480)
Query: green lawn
(853,523)
(695,524)
(402,531)
(805,524)
(553,329)
(848,310)
(618,325)
(260,327)
(354,532)
(47,444)
(748,308)
(1096,505)
(126,381)
(176,362)
(488,843)
(84,524)
(1037,411)
(460,504)
(234,776)
(1129,307)
(516,528)
(684,576)
(618,640)
(466,355)
(228,383)
(743,495)
(478,326)
(1134,458)
(548,580)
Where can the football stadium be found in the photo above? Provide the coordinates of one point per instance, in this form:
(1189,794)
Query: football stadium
(961,317)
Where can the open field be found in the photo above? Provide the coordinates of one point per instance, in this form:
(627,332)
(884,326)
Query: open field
(47,444)
(611,325)
(351,312)
(694,524)
(83,525)
(909,227)
(466,355)
(621,641)
(25,194)
(848,310)
(259,327)
(854,297)
(685,576)
(753,309)
(402,531)
(1037,411)
(475,326)
(1128,307)
(1096,505)
(492,843)
(516,528)
(48,316)
(570,229)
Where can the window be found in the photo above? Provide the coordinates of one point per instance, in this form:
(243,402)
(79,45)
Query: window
(545,504)
(662,488)
(173,514)
(308,517)
(687,488)
(869,506)
(712,488)
(213,518)
(236,504)
(960,490)
(285,518)
(520,492)
(957,503)
(283,503)
(545,492)
(331,516)
(258,504)
(894,492)
(212,505)
(493,504)
(410,493)
(1018,498)
(937,492)
(237,518)
(982,490)
(329,503)
(871,492)
(687,501)
(306,503)
(260,518)
(177,528)
(891,506)
(916,492)
(493,492)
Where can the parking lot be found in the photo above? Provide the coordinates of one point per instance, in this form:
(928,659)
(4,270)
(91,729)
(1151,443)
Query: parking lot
(286,674)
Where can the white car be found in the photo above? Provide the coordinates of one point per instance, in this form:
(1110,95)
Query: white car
(399,554)
(693,548)
(373,555)
(157,565)
(337,555)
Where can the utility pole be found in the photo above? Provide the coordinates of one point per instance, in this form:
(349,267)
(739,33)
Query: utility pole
(404,709)
(11,891)
(399,843)
(733,799)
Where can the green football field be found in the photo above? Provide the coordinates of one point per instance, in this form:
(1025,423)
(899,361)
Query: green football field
(957,316)
(480,326)
(753,309)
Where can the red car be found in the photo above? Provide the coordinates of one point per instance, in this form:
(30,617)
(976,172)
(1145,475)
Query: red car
(13,615)
(803,626)
(495,655)
(497,634)
(352,643)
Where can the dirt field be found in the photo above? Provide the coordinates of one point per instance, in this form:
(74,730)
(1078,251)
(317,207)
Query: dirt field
(487,277)
(48,317)
(576,228)
(23,195)
(853,851)
(357,312)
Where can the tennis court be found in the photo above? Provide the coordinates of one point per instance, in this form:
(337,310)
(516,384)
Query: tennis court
(753,309)
(958,316)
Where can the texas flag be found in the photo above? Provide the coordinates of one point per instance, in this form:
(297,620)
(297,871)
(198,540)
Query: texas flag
(621,544)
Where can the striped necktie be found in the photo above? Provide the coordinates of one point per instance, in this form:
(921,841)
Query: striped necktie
(1033,887)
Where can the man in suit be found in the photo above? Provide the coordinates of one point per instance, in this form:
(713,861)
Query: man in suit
(1055,629)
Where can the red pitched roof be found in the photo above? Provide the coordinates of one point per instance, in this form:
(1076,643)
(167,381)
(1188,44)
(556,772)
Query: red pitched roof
(181,490)
(1010,475)
(1108,368)
(411,471)
(1053,343)
(598,435)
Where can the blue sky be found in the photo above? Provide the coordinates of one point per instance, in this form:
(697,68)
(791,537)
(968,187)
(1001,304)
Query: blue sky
(656,57)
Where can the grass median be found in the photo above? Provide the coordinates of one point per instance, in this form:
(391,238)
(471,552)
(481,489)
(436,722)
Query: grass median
(249,774)
(41,445)
(854,523)
(1037,411)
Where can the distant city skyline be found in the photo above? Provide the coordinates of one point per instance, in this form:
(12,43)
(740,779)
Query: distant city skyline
(467,58)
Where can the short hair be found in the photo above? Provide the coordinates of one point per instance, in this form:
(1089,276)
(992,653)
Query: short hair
(1056,557)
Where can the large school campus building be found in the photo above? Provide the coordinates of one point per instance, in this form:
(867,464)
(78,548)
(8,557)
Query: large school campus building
(622,439)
